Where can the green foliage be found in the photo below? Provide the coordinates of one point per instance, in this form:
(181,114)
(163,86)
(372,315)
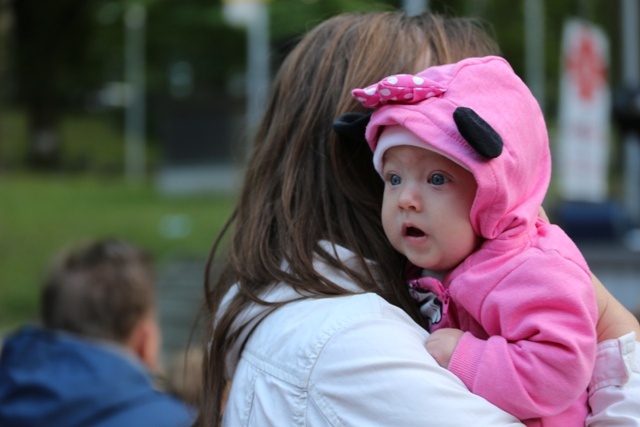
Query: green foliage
(291,18)
(91,142)
(40,214)
(194,32)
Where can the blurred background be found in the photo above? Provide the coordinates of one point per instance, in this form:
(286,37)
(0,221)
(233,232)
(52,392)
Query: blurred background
(129,118)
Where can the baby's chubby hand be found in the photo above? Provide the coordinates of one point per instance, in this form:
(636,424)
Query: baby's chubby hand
(442,343)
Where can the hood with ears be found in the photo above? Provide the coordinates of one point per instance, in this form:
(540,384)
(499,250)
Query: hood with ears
(481,115)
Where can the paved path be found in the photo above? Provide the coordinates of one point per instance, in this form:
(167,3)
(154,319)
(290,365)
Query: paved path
(180,289)
(180,298)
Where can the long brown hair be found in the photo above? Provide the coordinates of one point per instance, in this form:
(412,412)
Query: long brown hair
(303,185)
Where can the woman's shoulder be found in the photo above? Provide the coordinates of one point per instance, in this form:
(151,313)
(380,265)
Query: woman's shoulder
(317,320)
(346,309)
(296,335)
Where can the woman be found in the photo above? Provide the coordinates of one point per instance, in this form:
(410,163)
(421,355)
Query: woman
(311,293)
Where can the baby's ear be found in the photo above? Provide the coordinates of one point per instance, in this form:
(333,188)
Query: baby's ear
(478,133)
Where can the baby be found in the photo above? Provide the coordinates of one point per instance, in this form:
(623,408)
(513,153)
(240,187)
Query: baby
(464,154)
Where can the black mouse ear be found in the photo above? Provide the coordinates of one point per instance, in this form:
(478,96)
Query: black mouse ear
(352,126)
(478,133)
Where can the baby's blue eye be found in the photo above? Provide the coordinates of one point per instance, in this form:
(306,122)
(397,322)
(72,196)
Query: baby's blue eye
(438,179)
(394,179)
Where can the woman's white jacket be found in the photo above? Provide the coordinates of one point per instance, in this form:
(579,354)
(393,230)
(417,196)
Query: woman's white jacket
(344,361)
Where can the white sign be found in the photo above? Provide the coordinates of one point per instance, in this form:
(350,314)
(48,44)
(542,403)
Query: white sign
(241,13)
(585,107)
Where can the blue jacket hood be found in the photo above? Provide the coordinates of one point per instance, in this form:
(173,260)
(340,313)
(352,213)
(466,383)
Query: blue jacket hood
(54,379)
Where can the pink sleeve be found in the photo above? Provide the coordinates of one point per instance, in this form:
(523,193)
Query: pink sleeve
(541,351)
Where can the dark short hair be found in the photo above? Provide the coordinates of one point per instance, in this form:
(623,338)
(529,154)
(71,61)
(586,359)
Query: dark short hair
(98,290)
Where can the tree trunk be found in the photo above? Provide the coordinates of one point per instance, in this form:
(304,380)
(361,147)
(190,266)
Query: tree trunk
(47,39)
(5,24)
(44,143)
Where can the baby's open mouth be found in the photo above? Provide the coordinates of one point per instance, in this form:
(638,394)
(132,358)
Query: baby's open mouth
(413,232)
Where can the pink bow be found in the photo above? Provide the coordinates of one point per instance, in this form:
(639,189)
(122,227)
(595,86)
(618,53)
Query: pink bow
(400,89)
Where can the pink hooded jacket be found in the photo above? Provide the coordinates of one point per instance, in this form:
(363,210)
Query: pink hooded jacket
(524,298)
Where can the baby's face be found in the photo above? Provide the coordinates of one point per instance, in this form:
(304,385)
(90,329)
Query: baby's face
(426,206)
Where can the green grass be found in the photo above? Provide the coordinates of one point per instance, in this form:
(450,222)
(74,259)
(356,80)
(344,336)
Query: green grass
(39,214)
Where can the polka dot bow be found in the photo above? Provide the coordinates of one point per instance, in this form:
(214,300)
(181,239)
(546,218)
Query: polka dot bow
(399,88)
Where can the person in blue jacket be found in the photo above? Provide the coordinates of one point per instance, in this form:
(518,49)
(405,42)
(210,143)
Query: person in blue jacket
(91,362)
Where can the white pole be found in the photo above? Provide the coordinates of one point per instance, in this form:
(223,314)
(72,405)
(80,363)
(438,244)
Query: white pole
(534,48)
(134,150)
(254,16)
(257,65)
(415,7)
(631,78)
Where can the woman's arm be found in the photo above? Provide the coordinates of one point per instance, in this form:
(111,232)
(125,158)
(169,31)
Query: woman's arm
(614,391)
(614,320)
(378,372)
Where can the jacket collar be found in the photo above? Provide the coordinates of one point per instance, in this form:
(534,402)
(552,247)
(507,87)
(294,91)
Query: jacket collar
(282,292)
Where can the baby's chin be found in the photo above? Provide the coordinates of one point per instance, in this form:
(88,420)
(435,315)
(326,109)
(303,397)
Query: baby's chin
(435,266)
